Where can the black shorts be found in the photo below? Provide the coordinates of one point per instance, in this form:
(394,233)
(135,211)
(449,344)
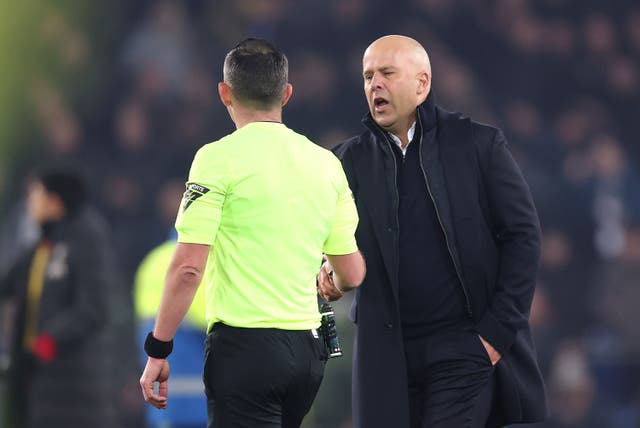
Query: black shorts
(261,377)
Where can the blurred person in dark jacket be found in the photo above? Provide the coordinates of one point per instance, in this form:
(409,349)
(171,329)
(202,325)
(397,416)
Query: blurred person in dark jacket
(573,391)
(452,242)
(60,369)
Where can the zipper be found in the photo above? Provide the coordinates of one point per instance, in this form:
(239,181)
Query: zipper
(395,187)
(446,237)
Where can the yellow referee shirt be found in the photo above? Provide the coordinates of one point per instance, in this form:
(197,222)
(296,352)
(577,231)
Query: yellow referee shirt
(269,202)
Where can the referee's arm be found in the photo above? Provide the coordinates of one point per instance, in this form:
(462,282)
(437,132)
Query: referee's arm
(183,278)
(339,274)
(349,270)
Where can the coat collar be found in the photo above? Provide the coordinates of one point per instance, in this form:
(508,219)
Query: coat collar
(426,111)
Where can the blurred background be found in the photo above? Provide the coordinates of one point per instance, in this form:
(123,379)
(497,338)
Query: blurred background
(128,89)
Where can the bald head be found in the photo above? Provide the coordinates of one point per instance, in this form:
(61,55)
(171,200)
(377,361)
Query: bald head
(397,79)
(406,47)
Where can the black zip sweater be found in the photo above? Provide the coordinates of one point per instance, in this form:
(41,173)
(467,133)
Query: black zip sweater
(430,295)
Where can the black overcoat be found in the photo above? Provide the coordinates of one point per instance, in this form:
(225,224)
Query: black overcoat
(493,235)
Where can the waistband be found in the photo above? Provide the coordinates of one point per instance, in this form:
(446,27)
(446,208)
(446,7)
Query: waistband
(315,332)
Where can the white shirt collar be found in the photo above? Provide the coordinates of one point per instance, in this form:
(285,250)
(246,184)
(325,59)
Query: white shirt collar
(410,134)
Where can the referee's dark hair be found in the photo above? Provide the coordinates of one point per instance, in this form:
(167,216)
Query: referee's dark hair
(257,73)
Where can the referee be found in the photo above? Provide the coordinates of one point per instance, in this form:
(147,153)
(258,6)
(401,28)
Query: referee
(261,207)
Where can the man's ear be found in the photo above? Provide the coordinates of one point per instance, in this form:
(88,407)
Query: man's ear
(287,94)
(424,83)
(224,91)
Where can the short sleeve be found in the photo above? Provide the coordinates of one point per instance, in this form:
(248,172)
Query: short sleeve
(342,239)
(201,208)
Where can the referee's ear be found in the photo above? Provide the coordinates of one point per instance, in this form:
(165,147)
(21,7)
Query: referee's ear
(288,91)
(224,91)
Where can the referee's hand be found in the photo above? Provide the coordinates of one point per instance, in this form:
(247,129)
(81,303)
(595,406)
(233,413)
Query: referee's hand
(326,287)
(156,370)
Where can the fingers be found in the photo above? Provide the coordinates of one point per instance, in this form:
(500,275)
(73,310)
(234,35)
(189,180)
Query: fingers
(163,390)
(155,371)
(156,400)
(159,401)
(494,355)
(326,287)
(321,284)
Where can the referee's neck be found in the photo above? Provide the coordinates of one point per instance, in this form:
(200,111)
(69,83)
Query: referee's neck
(242,117)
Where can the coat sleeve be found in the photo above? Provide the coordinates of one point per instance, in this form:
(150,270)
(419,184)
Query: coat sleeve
(8,283)
(12,281)
(516,230)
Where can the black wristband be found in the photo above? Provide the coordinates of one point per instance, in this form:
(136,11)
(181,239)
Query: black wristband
(157,348)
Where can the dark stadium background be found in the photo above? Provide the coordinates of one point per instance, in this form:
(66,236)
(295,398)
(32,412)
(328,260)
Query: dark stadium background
(128,89)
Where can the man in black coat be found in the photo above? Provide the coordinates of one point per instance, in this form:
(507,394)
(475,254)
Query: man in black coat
(452,242)
(61,369)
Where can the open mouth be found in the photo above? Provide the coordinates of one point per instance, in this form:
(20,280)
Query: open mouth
(380,103)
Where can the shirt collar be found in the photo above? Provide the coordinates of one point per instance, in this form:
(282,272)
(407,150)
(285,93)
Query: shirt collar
(410,133)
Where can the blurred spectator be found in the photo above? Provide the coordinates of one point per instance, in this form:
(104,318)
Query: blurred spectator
(623,77)
(616,200)
(18,233)
(543,319)
(599,35)
(128,181)
(567,283)
(61,353)
(189,406)
(261,17)
(572,391)
(59,125)
(160,53)
(616,298)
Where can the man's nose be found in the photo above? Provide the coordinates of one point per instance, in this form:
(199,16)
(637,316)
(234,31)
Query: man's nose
(376,82)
